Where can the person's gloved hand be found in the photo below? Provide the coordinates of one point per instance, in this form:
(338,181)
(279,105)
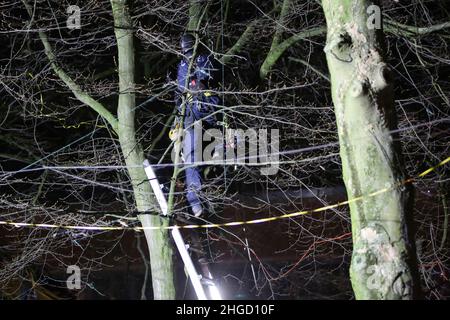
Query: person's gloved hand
(175,133)
(230,139)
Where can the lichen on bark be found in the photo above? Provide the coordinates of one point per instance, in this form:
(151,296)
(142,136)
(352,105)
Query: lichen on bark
(363,98)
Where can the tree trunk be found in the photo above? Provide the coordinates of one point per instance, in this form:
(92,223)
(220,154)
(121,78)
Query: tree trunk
(157,240)
(195,14)
(382,265)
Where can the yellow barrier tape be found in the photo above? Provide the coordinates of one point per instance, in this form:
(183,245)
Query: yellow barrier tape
(219,225)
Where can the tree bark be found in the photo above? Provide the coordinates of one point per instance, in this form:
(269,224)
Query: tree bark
(276,51)
(196,8)
(157,240)
(382,265)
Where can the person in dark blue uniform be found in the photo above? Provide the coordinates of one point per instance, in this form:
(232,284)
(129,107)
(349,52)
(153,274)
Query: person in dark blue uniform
(200,104)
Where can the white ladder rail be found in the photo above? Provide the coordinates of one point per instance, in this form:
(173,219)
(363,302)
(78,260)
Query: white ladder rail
(181,245)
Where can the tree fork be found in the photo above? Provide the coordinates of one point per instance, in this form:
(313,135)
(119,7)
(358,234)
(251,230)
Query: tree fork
(158,240)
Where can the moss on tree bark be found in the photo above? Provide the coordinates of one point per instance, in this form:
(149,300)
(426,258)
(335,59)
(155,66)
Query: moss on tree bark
(362,91)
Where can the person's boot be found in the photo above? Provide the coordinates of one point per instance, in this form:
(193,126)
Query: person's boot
(197,210)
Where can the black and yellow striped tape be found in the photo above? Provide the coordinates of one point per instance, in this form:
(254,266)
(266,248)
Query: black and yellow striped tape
(219,225)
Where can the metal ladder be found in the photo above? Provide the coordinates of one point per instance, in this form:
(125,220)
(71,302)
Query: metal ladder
(203,284)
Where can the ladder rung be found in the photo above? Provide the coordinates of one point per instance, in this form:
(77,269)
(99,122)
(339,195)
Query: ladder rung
(197,250)
(207,281)
(204,261)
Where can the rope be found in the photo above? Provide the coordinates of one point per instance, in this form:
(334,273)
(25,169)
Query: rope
(228,224)
(235,161)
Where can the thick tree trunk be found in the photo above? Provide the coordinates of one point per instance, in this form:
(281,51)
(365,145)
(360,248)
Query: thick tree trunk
(157,240)
(381,266)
